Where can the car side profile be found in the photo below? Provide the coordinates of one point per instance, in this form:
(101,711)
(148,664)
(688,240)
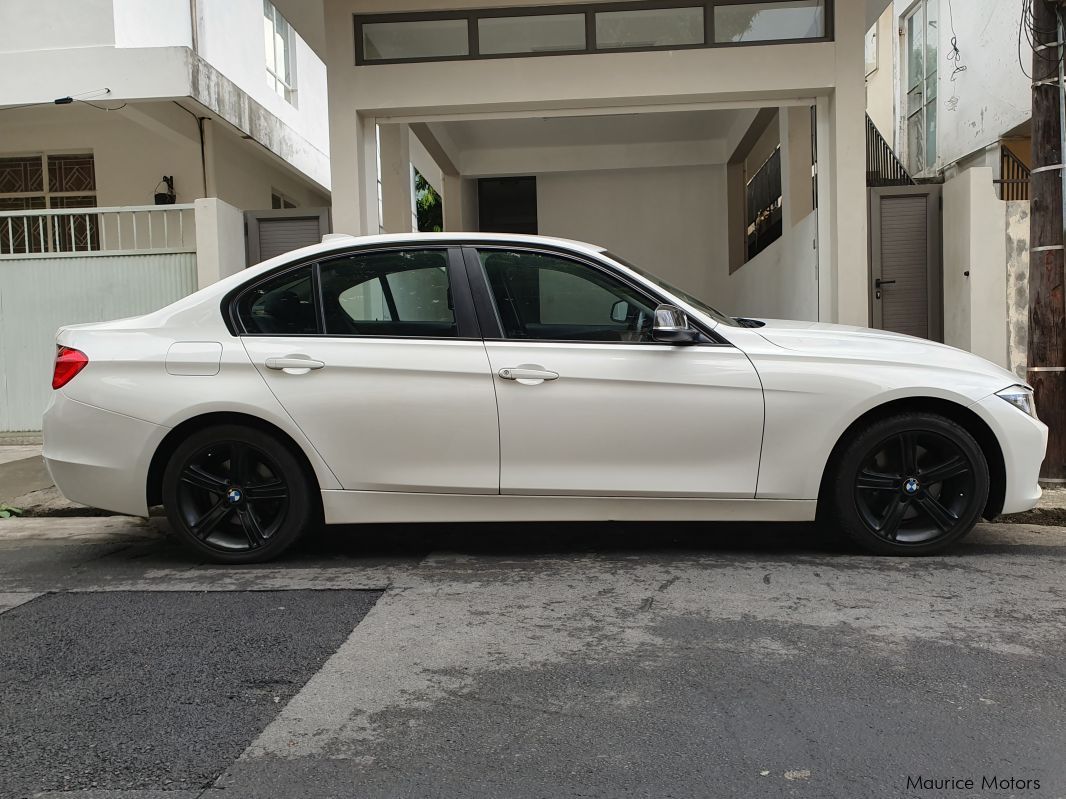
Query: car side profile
(480,377)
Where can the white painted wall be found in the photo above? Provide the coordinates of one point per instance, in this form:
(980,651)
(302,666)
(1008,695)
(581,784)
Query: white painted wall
(27,25)
(975,241)
(231,40)
(993,94)
(780,282)
(220,250)
(669,221)
(133,148)
(152,23)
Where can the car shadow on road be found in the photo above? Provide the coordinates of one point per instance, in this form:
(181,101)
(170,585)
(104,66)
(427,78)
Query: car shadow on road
(530,539)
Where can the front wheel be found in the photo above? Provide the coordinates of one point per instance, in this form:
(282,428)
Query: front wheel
(911,484)
(236,494)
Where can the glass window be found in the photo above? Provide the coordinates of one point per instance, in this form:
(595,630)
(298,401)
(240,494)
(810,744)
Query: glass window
(284,305)
(534,34)
(765,22)
(398,293)
(434,38)
(652,27)
(548,298)
(49,181)
(921,80)
(279,42)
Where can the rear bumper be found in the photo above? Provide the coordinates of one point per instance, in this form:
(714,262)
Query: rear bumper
(1023,440)
(97,457)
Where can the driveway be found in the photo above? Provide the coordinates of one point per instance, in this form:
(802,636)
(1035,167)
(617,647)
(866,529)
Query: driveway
(529,661)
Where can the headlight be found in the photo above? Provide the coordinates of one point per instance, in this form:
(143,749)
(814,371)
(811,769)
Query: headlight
(1021,397)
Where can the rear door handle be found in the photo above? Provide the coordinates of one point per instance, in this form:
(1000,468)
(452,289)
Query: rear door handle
(294,365)
(527,373)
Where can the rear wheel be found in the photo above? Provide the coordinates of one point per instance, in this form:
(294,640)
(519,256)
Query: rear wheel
(236,494)
(911,484)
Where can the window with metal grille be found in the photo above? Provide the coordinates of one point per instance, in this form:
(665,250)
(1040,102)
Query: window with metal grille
(42,181)
(765,205)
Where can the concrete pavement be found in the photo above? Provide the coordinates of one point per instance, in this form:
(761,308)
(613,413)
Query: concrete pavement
(529,660)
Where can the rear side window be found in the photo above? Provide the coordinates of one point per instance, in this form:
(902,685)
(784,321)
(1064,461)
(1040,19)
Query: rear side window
(284,305)
(403,293)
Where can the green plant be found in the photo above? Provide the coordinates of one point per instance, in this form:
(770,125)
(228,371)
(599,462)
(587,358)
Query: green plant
(429,206)
(6,511)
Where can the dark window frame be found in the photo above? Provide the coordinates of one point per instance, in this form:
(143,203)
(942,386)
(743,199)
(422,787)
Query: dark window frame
(589,11)
(467,328)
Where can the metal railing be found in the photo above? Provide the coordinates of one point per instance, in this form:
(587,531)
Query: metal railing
(883,168)
(80,231)
(1014,183)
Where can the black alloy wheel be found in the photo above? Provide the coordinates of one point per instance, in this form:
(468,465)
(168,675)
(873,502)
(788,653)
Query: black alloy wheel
(236,494)
(911,484)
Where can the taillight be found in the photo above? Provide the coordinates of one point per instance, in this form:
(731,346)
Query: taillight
(69,362)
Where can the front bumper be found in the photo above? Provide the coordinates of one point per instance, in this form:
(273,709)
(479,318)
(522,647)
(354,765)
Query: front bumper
(97,457)
(1023,440)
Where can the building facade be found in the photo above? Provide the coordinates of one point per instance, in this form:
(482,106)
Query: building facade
(134,134)
(720,144)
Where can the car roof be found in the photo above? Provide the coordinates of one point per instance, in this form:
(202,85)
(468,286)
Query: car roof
(339,241)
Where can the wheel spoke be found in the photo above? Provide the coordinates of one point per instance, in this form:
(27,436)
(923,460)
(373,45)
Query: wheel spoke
(206,524)
(889,524)
(943,517)
(952,467)
(250,525)
(198,477)
(270,490)
(239,462)
(870,480)
(908,454)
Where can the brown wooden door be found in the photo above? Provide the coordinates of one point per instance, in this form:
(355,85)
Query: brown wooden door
(906,262)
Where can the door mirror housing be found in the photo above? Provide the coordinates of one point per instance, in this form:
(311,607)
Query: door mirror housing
(672,327)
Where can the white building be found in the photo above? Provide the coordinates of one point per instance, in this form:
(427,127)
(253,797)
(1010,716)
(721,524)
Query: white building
(947,88)
(682,136)
(222,97)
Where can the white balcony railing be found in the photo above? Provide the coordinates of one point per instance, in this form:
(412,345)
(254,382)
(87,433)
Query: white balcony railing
(97,231)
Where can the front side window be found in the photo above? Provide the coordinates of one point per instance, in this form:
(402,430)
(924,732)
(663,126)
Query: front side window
(398,293)
(921,73)
(281,306)
(279,40)
(545,297)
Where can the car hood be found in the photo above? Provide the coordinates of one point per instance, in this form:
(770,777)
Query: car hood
(865,344)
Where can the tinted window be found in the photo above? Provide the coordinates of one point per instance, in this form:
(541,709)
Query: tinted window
(284,305)
(548,298)
(399,293)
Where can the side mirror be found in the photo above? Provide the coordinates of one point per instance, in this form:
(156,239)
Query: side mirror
(671,326)
(620,311)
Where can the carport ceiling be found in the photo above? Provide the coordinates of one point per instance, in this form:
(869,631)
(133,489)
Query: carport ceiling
(493,134)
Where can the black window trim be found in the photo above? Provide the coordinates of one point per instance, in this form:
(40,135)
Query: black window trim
(589,11)
(462,301)
(489,316)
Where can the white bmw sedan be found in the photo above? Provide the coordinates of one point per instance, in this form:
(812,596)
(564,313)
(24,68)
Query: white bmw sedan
(478,377)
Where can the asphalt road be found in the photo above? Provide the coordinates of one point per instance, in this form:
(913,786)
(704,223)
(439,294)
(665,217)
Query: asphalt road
(530,661)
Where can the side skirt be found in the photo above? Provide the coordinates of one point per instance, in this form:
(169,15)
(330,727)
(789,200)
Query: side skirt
(375,507)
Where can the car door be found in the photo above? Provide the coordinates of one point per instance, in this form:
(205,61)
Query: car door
(589,404)
(377,357)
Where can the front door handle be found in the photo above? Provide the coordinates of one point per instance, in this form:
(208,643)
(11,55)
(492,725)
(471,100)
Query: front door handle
(522,373)
(294,365)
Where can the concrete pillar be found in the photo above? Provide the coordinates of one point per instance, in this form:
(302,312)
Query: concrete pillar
(451,197)
(847,184)
(220,250)
(397,202)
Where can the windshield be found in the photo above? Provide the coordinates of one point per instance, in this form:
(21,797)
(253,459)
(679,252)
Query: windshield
(696,303)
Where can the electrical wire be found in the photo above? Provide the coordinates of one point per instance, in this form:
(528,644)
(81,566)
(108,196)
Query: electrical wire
(955,58)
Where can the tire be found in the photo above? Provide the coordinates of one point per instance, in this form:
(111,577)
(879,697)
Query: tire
(236,494)
(911,484)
